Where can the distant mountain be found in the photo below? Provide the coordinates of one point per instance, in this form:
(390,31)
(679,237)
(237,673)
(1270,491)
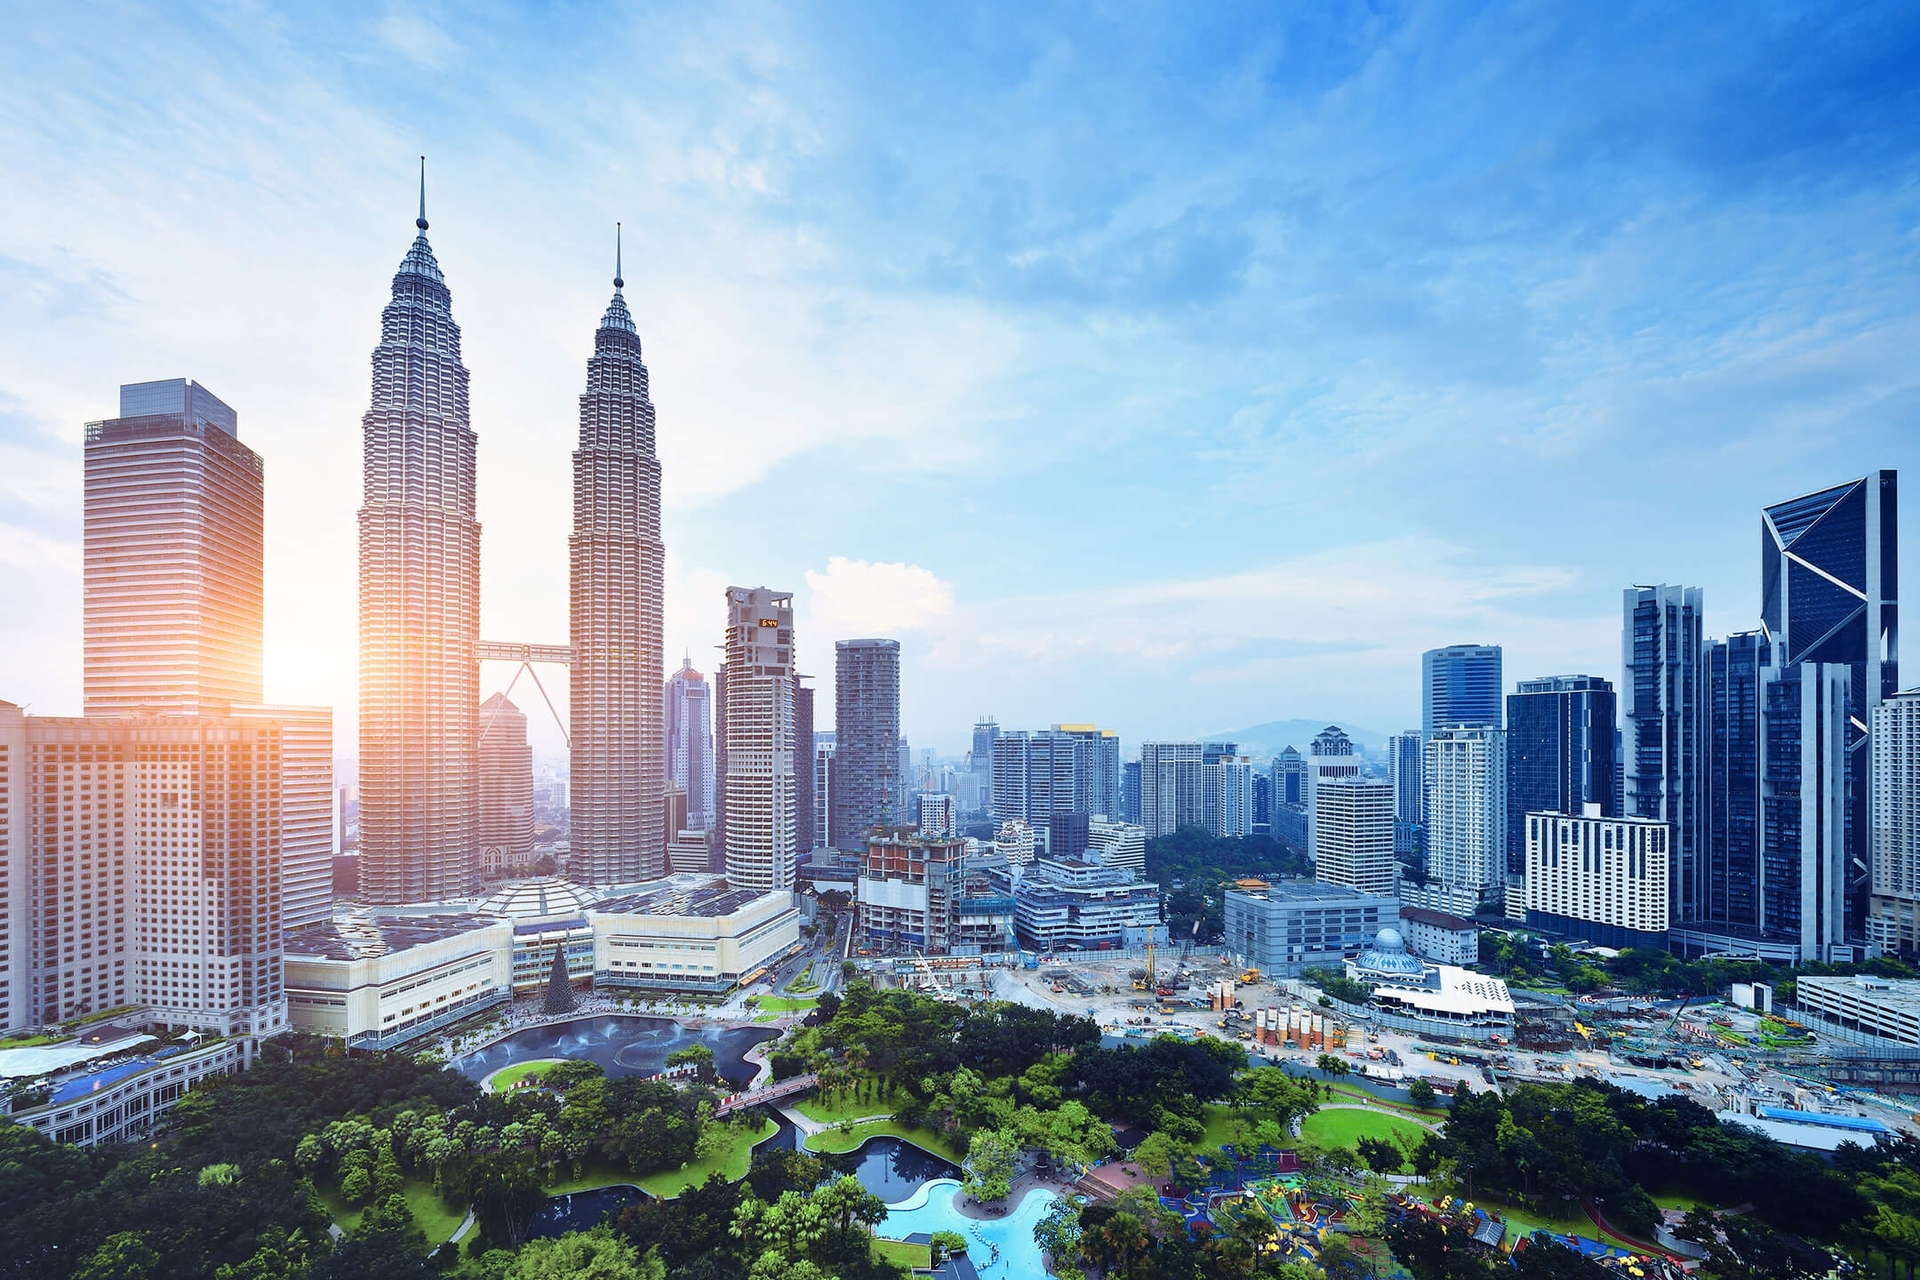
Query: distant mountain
(1275,736)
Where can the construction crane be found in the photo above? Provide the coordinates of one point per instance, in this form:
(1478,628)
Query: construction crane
(1149,965)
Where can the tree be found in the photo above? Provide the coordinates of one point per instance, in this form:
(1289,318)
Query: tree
(948,1243)
(1332,1065)
(1059,1232)
(124,1255)
(992,1155)
(699,1057)
(1381,1155)
(559,986)
(598,1254)
(1155,1155)
(1422,1093)
(357,1187)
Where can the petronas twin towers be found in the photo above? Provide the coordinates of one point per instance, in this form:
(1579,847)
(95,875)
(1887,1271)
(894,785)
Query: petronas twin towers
(420,607)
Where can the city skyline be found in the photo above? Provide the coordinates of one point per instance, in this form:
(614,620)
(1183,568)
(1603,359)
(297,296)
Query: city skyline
(937,357)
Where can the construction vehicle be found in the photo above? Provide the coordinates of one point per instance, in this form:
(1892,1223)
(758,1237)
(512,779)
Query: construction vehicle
(1249,977)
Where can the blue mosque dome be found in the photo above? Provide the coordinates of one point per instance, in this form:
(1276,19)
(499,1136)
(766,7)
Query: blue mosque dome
(1388,957)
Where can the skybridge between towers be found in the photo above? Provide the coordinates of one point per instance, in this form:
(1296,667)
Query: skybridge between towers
(528,656)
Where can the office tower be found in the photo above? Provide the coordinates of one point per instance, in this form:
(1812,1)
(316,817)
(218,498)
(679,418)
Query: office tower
(1096,767)
(867,790)
(1894,830)
(1331,756)
(759,782)
(1404,763)
(804,821)
(1262,804)
(1735,666)
(1664,723)
(1559,754)
(687,717)
(718,842)
(1068,835)
(1803,817)
(173,561)
(306,808)
(1353,821)
(205,844)
(1289,778)
(823,747)
(1170,787)
(981,758)
(1460,685)
(936,817)
(1130,792)
(616,561)
(1466,773)
(506,787)
(1829,586)
(901,785)
(419,601)
(1118,844)
(1228,802)
(1597,878)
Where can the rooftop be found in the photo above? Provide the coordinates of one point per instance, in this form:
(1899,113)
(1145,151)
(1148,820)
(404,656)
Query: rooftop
(1437,919)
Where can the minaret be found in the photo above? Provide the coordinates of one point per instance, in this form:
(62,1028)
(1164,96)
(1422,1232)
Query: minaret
(419,600)
(616,558)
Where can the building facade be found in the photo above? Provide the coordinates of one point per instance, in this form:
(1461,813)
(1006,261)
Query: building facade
(761,842)
(1066,904)
(1294,924)
(805,794)
(1331,757)
(1228,803)
(937,817)
(870,786)
(419,601)
(1466,773)
(1804,772)
(1170,787)
(687,717)
(1736,667)
(1460,684)
(1559,753)
(1353,836)
(1404,765)
(1664,725)
(1600,879)
(1893,923)
(506,788)
(1440,936)
(1118,844)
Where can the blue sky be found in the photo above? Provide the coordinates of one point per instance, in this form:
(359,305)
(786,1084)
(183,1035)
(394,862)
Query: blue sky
(1175,368)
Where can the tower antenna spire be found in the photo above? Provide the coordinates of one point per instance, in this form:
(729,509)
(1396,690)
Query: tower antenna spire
(618,283)
(421,221)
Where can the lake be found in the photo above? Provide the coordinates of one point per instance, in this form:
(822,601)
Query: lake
(623,1045)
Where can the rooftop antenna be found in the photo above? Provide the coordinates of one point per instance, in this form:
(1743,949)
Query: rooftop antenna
(421,221)
(618,283)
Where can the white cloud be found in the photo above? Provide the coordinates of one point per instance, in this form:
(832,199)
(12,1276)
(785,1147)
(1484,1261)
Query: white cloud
(858,597)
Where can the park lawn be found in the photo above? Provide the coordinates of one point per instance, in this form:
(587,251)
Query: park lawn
(1219,1122)
(731,1164)
(783,1004)
(26,1041)
(1675,1200)
(1345,1127)
(429,1214)
(845,1105)
(1353,1093)
(918,1256)
(507,1077)
(1524,1222)
(833,1142)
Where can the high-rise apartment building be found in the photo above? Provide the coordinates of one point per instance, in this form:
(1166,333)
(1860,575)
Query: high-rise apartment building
(1353,820)
(1228,802)
(823,748)
(869,787)
(1262,804)
(687,714)
(1065,769)
(174,566)
(760,838)
(506,787)
(419,601)
(1118,844)
(936,817)
(1735,668)
(1664,720)
(1170,787)
(1559,754)
(1598,878)
(1894,827)
(1096,767)
(616,561)
(985,731)
(1404,765)
(1803,814)
(1460,684)
(804,793)
(1331,756)
(1466,773)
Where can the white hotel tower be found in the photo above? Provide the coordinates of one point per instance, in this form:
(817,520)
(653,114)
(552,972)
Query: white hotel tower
(759,780)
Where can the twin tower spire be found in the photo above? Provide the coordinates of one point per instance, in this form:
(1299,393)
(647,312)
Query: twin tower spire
(420,598)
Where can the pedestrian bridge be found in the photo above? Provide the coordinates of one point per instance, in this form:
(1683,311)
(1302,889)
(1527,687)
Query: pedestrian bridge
(769,1093)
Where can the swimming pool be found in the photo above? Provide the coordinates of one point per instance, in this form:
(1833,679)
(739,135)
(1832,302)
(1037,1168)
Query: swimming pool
(1000,1249)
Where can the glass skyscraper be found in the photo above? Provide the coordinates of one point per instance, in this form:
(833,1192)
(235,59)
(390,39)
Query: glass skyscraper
(1460,685)
(1559,754)
(869,788)
(1735,666)
(1664,718)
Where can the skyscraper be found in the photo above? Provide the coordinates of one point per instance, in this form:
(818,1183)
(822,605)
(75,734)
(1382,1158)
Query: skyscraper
(1228,803)
(1289,778)
(1331,755)
(1065,769)
(1664,722)
(867,788)
(1130,792)
(823,745)
(1735,667)
(419,601)
(1803,820)
(1559,754)
(1096,767)
(1170,787)
(1466,773)
(1353,821)
(984,733)
(506,786)
(1894,922)
(804,821)
(688,715)
(175,575)
(1829,591)
(1460,685)
(616,562)
(1404,765)
(759,781)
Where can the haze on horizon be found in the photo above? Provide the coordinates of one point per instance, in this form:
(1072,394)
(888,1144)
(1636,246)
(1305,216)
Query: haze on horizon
(1174,370)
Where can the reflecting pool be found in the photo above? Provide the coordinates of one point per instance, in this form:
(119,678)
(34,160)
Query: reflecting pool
(581,1210)
(894,1170)
(623,1045)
